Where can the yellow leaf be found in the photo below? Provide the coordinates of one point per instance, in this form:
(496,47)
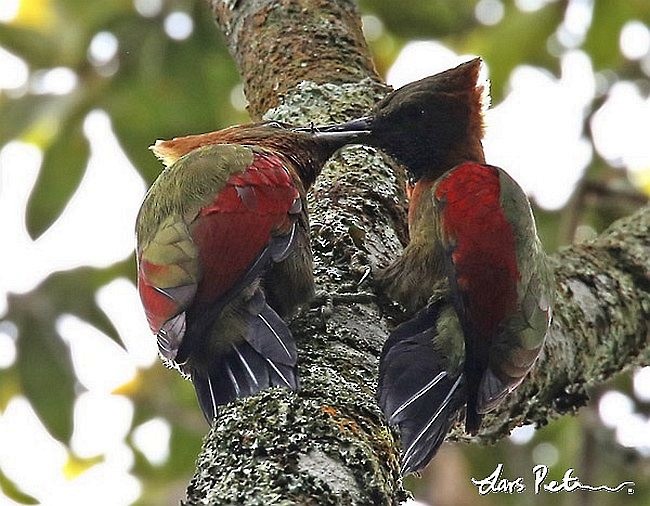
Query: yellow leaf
(641,179)
(35,14)
(129,388)
(76,466)
(42,132)
(9,388)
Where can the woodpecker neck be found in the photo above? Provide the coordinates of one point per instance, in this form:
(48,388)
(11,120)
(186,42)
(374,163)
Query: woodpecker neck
(470,150)
(305,154)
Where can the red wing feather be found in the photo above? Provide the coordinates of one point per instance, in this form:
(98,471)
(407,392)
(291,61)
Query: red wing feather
(233,231)
(484,253)
(227,235)
(158,306)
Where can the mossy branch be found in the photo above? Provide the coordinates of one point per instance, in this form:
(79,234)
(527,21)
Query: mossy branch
(306,61)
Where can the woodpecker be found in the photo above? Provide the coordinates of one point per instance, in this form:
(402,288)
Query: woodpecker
(473,242)
(478,339)
(223,254)
(428,126)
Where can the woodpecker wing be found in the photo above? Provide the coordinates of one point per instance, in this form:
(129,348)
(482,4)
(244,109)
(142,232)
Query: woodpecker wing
(290,283)
(208,229)
(251,218)
(480,252)
(521,335)
(168,277)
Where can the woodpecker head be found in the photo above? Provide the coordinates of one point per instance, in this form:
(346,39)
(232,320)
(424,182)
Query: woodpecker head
(430,125)
(307,148)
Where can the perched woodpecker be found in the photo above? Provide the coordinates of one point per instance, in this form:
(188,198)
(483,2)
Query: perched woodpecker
(473,239)
(476,343)
(223,253)
(429,126)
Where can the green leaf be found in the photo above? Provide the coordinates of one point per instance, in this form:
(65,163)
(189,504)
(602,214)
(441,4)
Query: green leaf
(45,370)
(33,46)
(43,365)
(63,167)
(11,490)
(19,114)
(74,292)
(608,19)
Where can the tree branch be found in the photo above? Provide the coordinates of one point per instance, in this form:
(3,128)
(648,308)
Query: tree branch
(328,444)
(280,43)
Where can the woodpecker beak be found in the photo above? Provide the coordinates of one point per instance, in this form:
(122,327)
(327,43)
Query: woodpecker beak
(360,124)
(354,130)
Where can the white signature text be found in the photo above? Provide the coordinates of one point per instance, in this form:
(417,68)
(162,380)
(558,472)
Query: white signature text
(495,483)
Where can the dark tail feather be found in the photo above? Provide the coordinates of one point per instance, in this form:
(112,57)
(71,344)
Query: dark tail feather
(238,373)
(266,358)
(472,417)
(268,333)
(416,390)
(423,435)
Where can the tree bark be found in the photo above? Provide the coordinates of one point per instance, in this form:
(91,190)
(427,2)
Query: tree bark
(306,61)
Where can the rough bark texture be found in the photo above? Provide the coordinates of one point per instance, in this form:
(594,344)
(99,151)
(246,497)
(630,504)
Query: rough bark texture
(329,444)
(280,43)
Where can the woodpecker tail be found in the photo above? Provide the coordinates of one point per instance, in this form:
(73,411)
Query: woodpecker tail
(473,418)
(265,357)
(421,385)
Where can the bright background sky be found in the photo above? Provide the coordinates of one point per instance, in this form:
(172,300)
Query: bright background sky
(541,114)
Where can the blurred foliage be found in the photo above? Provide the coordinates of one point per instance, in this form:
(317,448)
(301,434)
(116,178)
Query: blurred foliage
(157,87)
